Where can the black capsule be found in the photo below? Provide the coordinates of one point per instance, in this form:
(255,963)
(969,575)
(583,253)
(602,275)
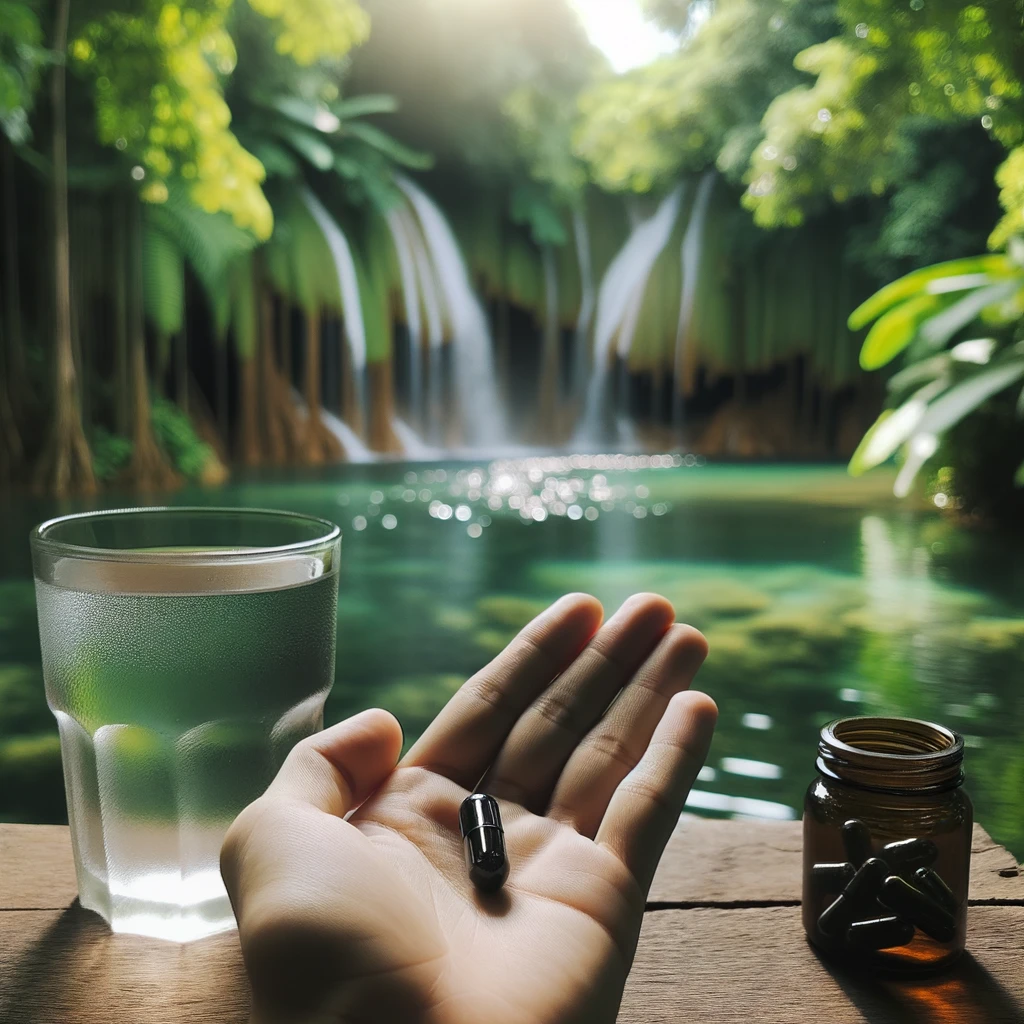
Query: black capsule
(483,841)
(919,908)
(909,854)
(928,881)
(856,841)
(879,933)
(857,899)
(832,877)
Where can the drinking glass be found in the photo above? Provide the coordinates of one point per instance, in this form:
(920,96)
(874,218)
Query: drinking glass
(185,651)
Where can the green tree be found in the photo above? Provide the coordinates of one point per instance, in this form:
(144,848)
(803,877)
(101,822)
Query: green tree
(840,136)
(702,105)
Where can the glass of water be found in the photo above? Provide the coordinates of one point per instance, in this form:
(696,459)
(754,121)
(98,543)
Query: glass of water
(185,651)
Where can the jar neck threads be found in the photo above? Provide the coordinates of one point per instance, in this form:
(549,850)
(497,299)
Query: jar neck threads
(891,754)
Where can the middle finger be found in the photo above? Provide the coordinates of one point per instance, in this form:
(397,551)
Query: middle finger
(537,748)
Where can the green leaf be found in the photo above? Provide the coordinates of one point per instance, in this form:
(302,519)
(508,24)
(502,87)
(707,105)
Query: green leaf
(892,428)
(210,242)
(163,280)
(896,329)
(276,160)
(1018,477)
(909,286)
(966,396)
(359,106)
(390,147)
(299,110)
(941,327)
(310,147)
(918,373)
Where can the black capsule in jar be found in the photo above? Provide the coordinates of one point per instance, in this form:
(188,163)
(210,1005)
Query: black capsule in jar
(483,841)
(887,845)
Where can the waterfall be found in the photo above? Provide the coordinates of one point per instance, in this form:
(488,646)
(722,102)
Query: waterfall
(355,450)
(348,287)
(413,446)
(348,283)
(618,305)
(480,406)
(404,242)
(690,252)
(581,236)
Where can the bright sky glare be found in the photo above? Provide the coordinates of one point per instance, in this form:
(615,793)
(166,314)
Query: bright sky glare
(620,31)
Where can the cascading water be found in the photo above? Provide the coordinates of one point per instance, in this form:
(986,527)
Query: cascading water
(693,241)
(348,286)
(618,306)
(355,450)
(413,446)
(411,299)
(480,406)
(581,236)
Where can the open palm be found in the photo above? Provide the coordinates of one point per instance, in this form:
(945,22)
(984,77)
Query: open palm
(589,739)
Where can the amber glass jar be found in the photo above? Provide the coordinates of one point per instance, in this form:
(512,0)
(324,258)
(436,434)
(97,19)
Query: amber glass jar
(887,845)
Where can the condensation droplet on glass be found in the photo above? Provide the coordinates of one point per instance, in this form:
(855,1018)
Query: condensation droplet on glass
(769,152)
(824,115)
(138,172)
(474,530)
(862,31)
(949,88)
(121,143)
(789,163)
(591,514)
(389,522)
(916,5)
(463,513)
(359,523)
(776,22)
(986,121)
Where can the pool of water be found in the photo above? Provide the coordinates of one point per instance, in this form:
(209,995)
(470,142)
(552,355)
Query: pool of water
(820,597)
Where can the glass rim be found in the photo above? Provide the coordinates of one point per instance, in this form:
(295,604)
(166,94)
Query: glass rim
(40,542)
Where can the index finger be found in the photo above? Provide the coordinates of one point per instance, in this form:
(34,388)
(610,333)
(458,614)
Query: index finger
(466,736)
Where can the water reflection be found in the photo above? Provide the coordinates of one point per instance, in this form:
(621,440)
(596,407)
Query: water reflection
(818,599)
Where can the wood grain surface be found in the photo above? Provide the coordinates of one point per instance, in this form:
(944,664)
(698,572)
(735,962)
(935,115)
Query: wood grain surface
(721,943)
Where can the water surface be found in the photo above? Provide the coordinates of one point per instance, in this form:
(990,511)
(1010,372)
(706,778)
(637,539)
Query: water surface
(820,597)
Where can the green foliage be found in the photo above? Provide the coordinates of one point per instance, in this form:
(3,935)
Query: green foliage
(111,454)
(920,314)
(839,137)
(704,104)
(163,280)
(175,434)
(22,60)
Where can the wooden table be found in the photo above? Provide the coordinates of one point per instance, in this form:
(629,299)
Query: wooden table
(721,942)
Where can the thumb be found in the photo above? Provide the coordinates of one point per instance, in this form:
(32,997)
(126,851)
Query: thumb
(337,769)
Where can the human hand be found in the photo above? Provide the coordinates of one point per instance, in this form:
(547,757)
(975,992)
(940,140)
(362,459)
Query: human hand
(373,917)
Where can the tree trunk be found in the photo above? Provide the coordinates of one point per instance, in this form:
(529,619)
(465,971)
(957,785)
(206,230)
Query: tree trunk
(149,469)
(17,378)
(66,463)
(382,408)
(181,369)
(319,444)
(279,422)
(122,411)
(248,426)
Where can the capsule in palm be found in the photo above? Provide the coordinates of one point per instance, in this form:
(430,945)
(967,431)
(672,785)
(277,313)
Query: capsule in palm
(483,840)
